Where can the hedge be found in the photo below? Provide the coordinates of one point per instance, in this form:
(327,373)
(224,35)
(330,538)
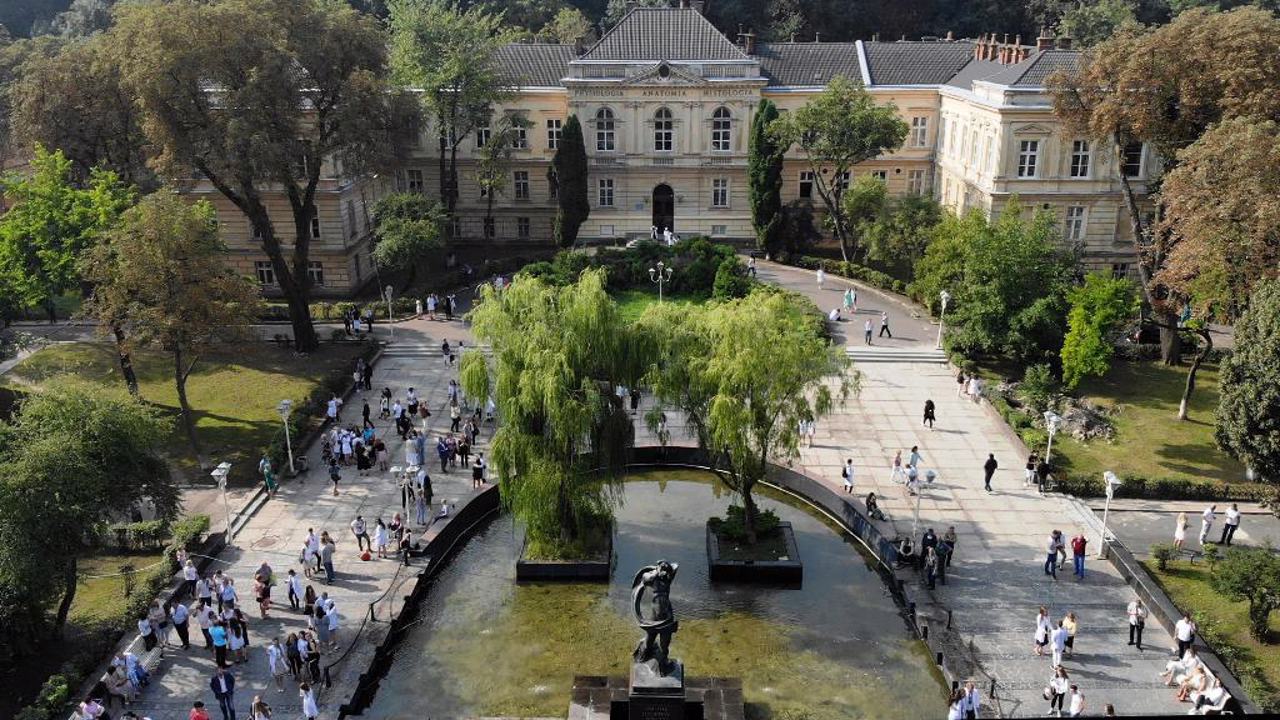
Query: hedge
(1165,488)
(144,535)
(852,271)
(695,261)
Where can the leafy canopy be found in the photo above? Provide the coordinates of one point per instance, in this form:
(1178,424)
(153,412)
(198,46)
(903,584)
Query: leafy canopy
(1098,307)
(1252,575)
(408,227)
(1249,406)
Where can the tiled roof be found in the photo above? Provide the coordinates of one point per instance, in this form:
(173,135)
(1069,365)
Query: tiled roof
(799,64)
(664,34)
(923,62)
(1035,70)
(976,70)
(534,64)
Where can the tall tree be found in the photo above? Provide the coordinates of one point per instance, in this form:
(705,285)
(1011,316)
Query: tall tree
(1089,23)
(569,177)
(764,177)
(263,96)
(558,355)
(1098,307)
(568,26)
(162,275)
(1164,87)
(450,54)
(51,223)
(73,101)
(898,237)
(493,164)
(1252,575)
(1250,384)
(745,373)
(835,131)
(409,227)
(863,203)
(76,457)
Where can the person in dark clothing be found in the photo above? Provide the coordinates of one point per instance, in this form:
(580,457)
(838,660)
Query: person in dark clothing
(989,469)
(368,377)
(929,413)
(364,413)
(930,540)
(1042,473)
(635,400)
(884,325)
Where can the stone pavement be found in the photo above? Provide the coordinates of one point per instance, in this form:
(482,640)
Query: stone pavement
(277,532)
(1140,523)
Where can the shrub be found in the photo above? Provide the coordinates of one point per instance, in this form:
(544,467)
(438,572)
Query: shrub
(730,281)
(1160,488)
(732,527)
(145,535)
(187,532)
(1163,553)
(1038,387)
(850,270)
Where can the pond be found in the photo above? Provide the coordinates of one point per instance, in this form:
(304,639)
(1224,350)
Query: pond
(835,648)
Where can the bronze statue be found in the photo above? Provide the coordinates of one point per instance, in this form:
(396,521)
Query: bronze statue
(662,623)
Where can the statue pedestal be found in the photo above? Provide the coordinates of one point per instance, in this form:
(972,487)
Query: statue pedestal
(656,697)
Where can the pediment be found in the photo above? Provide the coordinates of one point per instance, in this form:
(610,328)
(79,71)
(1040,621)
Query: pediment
(666,74)
(1033,129)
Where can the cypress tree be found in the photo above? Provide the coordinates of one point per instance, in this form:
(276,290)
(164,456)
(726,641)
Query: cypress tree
(570,175)
(764,176)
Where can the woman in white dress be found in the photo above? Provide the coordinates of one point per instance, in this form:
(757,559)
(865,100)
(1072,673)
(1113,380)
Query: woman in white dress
(309,709)
(380,538)
(1180,531)
(1043,628)
(277,663)
(821,276)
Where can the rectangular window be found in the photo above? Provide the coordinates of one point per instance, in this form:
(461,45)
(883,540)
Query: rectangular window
(942,135)
(919,131)
(519,138)
(257,232)
(1119,271)
(606,192)
(915,182)
(521,184)
(455,228)
(315,273)
(414,181)
(1080,159)
(606,231)
(719,230)
(1073,227)
(553,133)
(1028,158)
(806,185)
(881,175)
(266,273)
(522,228)
(315,228)
(482,136)
(490,228)
(844,180)
(720,192)
(1131,161)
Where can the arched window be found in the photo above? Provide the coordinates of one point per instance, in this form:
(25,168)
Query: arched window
(721,129)
(663,130)
(604,130)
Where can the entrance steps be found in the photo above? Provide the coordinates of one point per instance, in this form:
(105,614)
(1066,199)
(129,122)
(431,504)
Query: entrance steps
(899,354)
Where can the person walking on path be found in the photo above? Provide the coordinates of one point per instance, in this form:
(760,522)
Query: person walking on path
(897,467)
(929,410)
(975,389)
(364,413)
(310,711)
(850,299)
(866,332)
(326,559)
(1137,614)
(1057,690)
(1180,531)
(295,588)
(1078,545)
(1030,475)
(1058,643)
(1075,701)
(1231,525)
(1053,548)
(1184,632)
(477,472)
(277,663)
(1041,637)
(988,470)
(972,701)
(223,685)
(847,475)
(949,537)
(361,532)
(1206,522)
(821,276)
(884,325)
(335,474)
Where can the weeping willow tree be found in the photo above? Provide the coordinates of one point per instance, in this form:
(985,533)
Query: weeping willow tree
(745,373)
(559,353)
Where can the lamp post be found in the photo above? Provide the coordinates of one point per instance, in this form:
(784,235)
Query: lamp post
(391,321)
(945,297)
(661,275)
(1112,481)
(220,474)
(1051,422)
(284,408)
(929,476)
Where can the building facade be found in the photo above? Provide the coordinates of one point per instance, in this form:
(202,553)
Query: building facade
(666,102)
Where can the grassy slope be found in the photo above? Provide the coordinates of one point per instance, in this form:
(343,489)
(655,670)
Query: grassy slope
(1223,620)
(632,303)
(233,393)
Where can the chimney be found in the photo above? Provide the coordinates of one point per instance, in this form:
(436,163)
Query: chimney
(1064,43)
(950,37)
(699,6)
(1045,41)
(875,37)
(817,37)
(749,44)
(684,3)
(793,37)
(980,48)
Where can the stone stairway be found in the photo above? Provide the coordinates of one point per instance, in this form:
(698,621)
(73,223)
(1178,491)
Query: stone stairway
(888,353)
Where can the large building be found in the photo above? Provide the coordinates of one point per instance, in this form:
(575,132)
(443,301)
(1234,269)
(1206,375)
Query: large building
(666,101)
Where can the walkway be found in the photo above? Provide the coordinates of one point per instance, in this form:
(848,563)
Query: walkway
(996,583)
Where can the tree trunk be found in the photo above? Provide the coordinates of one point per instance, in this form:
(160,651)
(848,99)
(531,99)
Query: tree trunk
(749,512)
(50,308)
(188,422)
(1191,375)
(69,575)
(126,361)
(564,511)
(1170,338)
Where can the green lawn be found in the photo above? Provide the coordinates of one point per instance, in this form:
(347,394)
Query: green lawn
(233,393)
(1150,440)
(632,303)
(1225,624)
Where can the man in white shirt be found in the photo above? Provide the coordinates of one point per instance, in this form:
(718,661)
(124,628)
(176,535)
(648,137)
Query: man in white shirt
(1075,701)
(1137,613)
(847,475)
(1185,633)
(1206,522)
(1058,640)
(972,701)
(1232,523)
(362,535)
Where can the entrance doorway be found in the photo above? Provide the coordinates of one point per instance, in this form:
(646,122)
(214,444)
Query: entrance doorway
(664,208)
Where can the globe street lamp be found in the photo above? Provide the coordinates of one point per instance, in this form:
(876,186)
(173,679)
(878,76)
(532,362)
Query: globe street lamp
(945,297)
(661,275)
(1112,481)
(284,408)
(1051,422)
(391,321)
(220,475)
